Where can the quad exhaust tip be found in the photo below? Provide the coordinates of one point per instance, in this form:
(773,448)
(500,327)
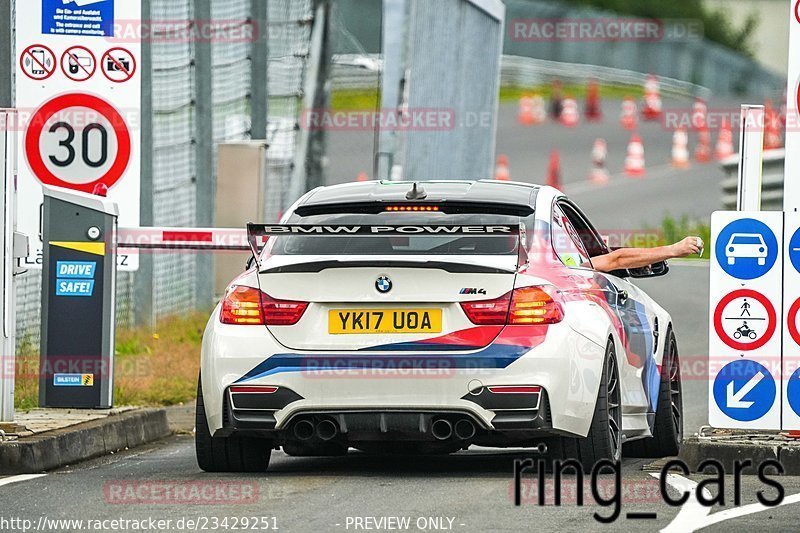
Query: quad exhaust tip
(327,429)
(303,429)
(464,429)
(441,429)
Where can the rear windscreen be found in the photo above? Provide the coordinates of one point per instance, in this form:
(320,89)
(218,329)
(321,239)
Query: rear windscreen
(399,245)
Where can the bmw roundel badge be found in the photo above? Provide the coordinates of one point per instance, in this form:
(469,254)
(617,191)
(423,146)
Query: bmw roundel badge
(383,284)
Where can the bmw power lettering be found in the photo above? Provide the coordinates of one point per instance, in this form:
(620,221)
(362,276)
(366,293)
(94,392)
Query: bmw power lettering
(429,317)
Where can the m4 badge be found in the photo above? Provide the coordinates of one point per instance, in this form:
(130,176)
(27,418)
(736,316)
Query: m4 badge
(472,290)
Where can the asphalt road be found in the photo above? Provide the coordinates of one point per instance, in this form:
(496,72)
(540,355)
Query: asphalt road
(469,491)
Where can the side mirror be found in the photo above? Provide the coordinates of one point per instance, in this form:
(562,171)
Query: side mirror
(651,271)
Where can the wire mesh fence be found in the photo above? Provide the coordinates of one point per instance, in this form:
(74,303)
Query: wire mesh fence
(175,94)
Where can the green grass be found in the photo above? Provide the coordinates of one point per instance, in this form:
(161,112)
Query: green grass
(151,367)
(368,99)
(673,230)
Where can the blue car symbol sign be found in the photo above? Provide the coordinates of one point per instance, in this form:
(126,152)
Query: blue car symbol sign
(746,249)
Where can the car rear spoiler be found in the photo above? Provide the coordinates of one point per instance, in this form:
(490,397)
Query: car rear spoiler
(258,233)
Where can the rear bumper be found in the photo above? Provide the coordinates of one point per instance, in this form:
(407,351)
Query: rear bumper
(565,365)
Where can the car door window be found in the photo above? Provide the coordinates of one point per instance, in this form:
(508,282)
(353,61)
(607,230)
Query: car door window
(566,241)
(592,241)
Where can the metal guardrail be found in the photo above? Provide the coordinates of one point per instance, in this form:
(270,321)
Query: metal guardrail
(771,181)
(362,71)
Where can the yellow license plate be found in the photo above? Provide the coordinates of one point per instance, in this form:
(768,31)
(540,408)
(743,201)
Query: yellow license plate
(376,321)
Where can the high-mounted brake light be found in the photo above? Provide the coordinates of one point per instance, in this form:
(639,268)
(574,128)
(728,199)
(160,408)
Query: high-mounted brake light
(412,208)
(249,306)
(523,306)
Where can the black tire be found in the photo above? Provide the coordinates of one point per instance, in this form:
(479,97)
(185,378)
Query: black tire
(668,426)
(227,454)
(603,442)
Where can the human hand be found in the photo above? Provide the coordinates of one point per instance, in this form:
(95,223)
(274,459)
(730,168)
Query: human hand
(687,247)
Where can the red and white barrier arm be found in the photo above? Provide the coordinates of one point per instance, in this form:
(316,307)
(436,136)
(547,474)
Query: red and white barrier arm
(183,238)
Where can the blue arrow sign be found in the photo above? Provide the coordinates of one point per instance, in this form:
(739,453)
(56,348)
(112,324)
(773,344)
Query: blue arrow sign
(794,250)
(744,390)
(746,248)
(793,392)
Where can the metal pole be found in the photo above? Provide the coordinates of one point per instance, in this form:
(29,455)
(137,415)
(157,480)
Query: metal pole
(791,181)
(6,55)
(204,156)
(143,299)
(8,151)
(751,142)
(258,64)
(395,23)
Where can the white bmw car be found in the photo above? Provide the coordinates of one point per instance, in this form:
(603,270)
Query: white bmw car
(394,317)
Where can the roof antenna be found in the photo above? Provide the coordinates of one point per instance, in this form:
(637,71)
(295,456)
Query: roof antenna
(416,192)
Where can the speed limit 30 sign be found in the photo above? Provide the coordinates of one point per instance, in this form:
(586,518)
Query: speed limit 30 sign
(78,141)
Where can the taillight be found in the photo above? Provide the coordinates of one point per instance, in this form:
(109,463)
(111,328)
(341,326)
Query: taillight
(532,305)
(526,305)
(488,312)
(249,306)
(241,305)
(281,312)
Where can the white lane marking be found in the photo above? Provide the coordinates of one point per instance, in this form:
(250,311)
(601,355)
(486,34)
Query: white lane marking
(17,479)
(692,512)
(694,516)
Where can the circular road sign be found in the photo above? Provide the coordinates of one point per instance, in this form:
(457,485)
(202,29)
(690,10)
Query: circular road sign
(793,392)
(38,62)
(78,141)
(791,319)
(78,63)
(744,390)
(744,319)
(118,65)
(746,249)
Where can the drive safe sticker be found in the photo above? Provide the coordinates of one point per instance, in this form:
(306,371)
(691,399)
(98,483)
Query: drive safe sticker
(74,287)
(75,269)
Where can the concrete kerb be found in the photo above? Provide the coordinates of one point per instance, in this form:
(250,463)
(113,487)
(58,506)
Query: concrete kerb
(80,442)
(730,446)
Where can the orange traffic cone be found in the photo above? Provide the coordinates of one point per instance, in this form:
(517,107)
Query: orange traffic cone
(539,111)
(652,98)
(680,149)
(628,117)
(362,176)
(525,112)
(599,173)
(702,152)
(724,146)
(772,128)
(634,161)
(501,171)
(699,113)
(569,113)
(593,110)
(554,170)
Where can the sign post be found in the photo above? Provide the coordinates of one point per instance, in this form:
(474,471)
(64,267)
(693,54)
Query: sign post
(751,142)
(746,295)
(79,90)
(791,182)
